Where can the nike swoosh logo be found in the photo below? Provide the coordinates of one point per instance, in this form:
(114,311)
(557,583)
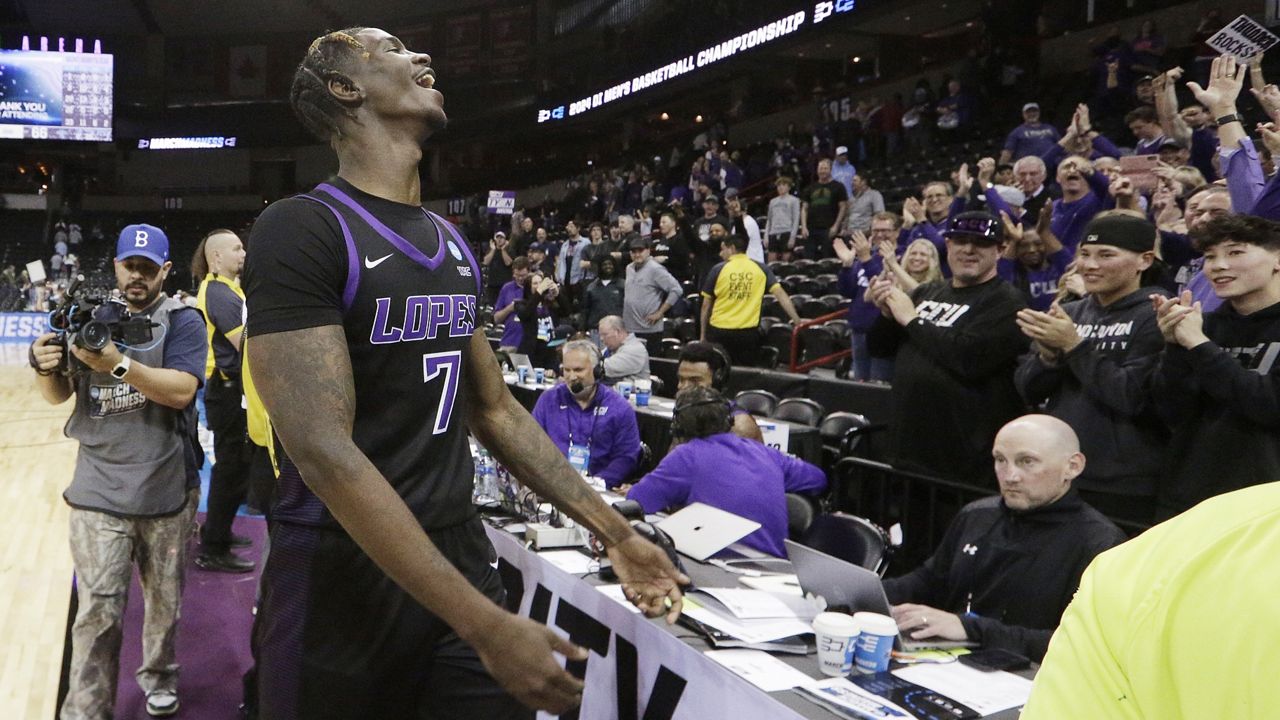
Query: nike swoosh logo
(371,264)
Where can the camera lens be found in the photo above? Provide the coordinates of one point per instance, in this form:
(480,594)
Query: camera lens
(94,335)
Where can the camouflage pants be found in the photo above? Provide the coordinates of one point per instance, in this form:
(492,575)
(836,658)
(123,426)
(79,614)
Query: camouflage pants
(104,548)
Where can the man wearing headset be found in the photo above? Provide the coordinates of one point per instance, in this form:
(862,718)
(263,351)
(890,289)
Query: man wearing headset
(592,424)
(706,364)
(714,466)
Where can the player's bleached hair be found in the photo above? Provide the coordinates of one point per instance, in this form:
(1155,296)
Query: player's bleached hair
(326,60)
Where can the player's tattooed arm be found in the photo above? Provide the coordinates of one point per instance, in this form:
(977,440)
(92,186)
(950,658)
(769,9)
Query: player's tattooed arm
(649,579)
(304,378)
(508,431)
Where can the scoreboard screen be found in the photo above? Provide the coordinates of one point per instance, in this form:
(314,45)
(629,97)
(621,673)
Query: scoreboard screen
(55,95)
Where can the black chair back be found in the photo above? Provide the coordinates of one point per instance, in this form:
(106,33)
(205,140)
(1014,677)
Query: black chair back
(799,410)
(850,538)
(760,403)
(670,348)
(800,514)
(767,357)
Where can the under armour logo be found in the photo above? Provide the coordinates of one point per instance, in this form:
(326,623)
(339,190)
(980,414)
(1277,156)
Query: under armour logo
(969,549)
(140,238)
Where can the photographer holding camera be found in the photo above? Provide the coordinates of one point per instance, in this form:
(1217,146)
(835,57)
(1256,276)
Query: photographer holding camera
(135,490)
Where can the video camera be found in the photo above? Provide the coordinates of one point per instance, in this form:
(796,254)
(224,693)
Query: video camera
(78,321)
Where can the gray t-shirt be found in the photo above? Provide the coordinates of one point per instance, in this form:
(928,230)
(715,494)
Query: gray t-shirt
(648,286)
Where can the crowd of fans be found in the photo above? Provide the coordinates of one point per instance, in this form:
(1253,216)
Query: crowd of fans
(1080,248)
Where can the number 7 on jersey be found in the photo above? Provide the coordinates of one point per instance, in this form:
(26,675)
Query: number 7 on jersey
(449,363)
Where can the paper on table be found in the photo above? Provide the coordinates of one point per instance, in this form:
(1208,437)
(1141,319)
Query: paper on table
(760,669)
(746,604)
(777,584)
(752,631)
(614,592)
(570,561)
(985,692)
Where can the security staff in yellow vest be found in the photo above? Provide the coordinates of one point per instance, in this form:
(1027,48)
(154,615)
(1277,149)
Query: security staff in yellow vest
(731,299)
(219,260)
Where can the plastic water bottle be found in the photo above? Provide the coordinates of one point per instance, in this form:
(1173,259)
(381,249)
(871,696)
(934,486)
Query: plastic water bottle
(485,491)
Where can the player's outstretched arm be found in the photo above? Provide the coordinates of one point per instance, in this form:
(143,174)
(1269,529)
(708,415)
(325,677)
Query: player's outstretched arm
(304,378)
(507,430)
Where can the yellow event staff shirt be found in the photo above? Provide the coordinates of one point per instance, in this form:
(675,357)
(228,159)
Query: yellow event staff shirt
(738,285)
(1179,622)
(202,302)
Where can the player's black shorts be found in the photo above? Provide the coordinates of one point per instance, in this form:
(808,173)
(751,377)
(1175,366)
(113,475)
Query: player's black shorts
(779,242)
(337,639)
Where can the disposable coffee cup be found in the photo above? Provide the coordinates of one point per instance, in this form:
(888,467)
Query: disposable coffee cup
(539,375)
(624,389)
(522,374)
(643,389)
(836,634)
(875,641)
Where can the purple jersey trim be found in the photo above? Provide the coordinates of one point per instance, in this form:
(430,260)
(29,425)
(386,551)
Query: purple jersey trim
(404,246)
(464,247)
(353,257)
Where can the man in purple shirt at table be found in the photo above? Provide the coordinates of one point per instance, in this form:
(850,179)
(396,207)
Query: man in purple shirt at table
(716,467)
(590,422)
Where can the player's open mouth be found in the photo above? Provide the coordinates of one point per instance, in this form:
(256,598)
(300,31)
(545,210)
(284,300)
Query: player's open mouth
(426,78)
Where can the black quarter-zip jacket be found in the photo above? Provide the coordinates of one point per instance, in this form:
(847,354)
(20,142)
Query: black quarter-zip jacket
(1009,574)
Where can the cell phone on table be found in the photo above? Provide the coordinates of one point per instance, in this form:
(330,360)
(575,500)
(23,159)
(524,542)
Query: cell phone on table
(993,660)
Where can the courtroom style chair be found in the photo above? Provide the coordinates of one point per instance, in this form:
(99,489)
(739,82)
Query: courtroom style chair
(819,341)
(835,301)
(670,348)
(760,403)
(806,267)
(809,308)
(778,337)
(800,514)
(840,432)
(799,410)
(829,266)
(657,386)
(811,286)
(829,284)
(852,539)
(688,330)
(767,358)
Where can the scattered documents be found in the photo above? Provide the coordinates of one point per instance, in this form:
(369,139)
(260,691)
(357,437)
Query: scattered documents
(760,669)
(985,692)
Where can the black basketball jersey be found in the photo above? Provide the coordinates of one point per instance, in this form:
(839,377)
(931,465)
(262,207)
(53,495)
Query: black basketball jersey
(405,292)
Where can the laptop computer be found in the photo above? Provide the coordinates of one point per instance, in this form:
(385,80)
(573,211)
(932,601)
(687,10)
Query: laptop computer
(845,585)
(518,359)
(701,531)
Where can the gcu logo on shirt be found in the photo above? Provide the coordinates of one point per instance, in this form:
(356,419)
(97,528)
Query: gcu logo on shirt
(942,314)
(969,549)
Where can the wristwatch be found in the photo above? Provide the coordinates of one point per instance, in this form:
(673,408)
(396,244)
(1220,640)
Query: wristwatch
(1233,117)
(121,369)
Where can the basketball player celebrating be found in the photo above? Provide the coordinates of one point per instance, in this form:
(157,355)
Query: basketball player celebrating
(378,597)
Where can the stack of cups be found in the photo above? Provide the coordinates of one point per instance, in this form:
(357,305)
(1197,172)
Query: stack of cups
(643,390)
(875,643)
(836,634)
(539,375)
(522,374)
(624,389)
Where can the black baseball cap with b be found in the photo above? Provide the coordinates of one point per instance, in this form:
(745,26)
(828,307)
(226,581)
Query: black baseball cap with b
(981,228)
